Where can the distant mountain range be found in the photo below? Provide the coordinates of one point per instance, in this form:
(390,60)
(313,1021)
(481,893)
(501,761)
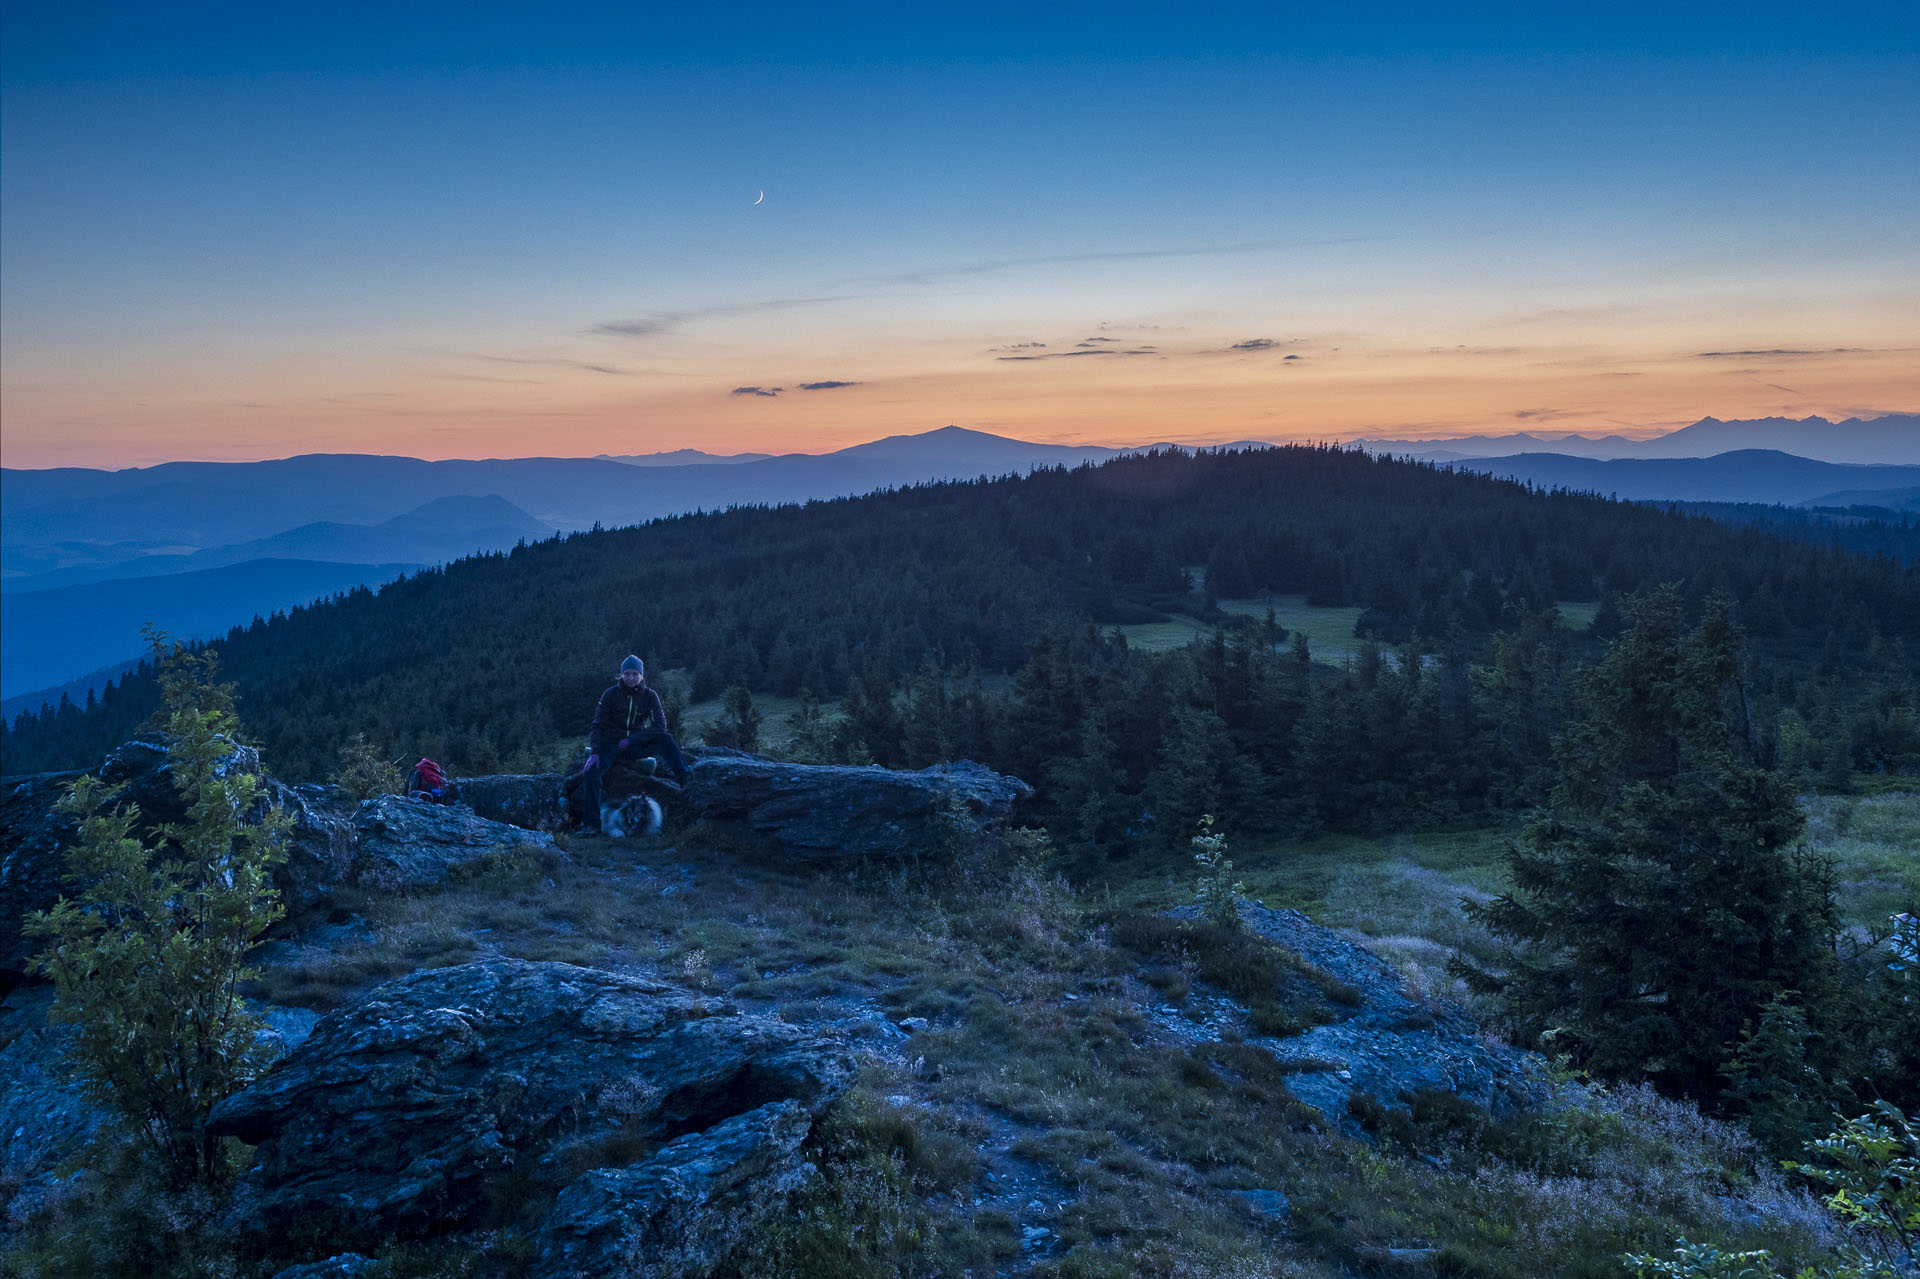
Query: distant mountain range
(69,538)
(1747,475)
(1893,438)
(200,546)
(48,637)
(186,506)
(444,529)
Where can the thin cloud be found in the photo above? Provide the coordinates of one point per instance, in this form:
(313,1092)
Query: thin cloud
(556,361)
(768,391)
(932,274)
(663,322)
(1069,355)
(1018,346)
(825,386)
(1542,415)
(1779,353)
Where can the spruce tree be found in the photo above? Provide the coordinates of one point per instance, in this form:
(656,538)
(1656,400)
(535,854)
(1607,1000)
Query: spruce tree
(1660,901)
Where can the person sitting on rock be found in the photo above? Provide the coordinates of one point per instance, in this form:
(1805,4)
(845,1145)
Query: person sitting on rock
(628,724)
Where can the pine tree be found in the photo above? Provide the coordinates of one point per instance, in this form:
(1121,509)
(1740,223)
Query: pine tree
(1660,901)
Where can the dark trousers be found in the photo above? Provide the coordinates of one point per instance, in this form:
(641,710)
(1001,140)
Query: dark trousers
(658,744)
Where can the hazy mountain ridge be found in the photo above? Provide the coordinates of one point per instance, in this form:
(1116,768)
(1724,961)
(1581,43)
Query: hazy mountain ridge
(1892,438)
(444,529)
(47,637)
(1746,475)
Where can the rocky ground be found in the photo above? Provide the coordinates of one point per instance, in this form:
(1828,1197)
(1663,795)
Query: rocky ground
(838,1021)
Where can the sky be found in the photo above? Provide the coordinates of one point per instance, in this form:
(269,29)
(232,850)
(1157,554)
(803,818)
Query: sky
(231,233)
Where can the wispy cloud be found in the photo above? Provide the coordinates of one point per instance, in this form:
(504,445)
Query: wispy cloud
(825,386)
(657,323)
(767,391)
(930,275)
(1543,415)
(1779,353)
(1084,350)
(556,361)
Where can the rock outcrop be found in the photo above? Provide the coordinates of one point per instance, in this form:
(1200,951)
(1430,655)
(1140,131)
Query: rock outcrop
(1387,1042)
(45,1115)
(404,844)
(677,1215)
(650,1112)
(534,801)
(824,812)
(32,870)
(34,835)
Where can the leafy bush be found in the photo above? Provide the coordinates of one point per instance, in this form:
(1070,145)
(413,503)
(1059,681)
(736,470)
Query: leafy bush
(1874,1169)
(364,770)
(146,957)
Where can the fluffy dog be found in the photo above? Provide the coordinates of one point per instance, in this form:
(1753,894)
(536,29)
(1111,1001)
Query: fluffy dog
(635,815)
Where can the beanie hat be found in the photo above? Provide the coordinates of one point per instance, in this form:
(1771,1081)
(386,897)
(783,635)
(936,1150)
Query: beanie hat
(633,664)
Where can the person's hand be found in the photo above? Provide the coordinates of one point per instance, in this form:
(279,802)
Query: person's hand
(593,762)
(624,741)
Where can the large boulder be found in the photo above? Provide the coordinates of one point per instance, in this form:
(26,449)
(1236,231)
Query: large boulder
(32,868)
(403,843)
(319,843)
(35,834)
(677,1215)
(827,812)
(45,1114)
(400,1115)
(535,801)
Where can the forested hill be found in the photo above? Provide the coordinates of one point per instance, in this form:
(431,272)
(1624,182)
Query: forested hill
(500,654)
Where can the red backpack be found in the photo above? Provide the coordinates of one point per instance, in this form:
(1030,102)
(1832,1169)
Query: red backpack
(427,777)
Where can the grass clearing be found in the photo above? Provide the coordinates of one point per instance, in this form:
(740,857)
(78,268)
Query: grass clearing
(1575,615)
(1329,630)
(1875,843)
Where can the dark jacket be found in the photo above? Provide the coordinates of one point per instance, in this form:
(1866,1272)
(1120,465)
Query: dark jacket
(624,712)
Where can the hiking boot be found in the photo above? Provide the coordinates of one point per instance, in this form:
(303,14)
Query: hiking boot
(648,764)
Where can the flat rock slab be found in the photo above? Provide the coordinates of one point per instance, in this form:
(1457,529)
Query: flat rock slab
(536,801)
(1389,1043)
(406,843)
(827,812)
(397,1114)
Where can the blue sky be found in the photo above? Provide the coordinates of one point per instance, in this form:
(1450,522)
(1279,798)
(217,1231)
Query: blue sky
(466,231)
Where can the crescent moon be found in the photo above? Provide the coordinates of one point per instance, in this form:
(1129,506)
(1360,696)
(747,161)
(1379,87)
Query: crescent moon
(760,197)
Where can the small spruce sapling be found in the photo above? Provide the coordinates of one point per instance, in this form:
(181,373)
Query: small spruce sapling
(147,955)
(1217,891)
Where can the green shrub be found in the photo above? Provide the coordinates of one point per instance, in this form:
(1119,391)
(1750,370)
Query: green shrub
(365,772)
(146,956)
(1873,1166)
